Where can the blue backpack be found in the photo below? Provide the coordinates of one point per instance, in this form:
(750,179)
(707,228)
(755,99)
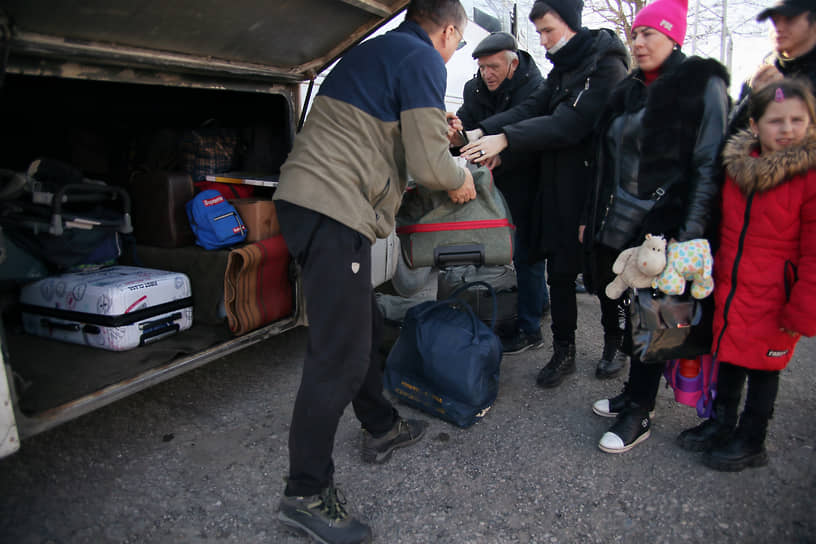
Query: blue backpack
(214,221)
(699,390)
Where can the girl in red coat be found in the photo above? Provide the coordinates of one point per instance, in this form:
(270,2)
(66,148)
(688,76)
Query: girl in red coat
(764,271)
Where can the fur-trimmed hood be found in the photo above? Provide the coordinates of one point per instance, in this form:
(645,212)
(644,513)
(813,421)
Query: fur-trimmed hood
(753,172)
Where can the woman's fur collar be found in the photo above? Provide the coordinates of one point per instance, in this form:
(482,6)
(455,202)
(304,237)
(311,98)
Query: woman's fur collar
(757,173)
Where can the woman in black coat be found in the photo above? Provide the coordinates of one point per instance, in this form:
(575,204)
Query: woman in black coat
(658,139)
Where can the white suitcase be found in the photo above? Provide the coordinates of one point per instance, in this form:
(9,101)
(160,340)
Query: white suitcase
(115,308)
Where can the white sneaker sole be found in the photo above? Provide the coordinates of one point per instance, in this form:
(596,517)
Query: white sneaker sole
(637,441)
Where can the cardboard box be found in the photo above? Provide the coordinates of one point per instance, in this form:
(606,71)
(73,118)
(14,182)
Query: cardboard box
(259,216)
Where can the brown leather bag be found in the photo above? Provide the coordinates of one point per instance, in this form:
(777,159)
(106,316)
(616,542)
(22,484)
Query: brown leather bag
(159,218)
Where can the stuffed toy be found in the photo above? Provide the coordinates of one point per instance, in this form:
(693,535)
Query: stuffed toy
(638,266)
(687,261)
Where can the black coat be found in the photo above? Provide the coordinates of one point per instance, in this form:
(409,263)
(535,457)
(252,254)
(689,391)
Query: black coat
(556,124)
(518,171)
(679,122)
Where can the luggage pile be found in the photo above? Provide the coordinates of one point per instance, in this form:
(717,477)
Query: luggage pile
(64,238)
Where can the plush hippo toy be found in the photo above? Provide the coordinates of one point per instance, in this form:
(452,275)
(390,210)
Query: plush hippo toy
(638,266)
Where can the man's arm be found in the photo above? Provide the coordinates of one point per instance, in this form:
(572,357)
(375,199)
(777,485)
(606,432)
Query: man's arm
(573,119)
(532,106)
(423,124)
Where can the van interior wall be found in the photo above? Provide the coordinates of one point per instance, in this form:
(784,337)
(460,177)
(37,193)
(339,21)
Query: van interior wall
(107,130)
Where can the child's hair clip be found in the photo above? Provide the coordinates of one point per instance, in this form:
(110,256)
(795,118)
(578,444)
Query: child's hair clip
(779,96)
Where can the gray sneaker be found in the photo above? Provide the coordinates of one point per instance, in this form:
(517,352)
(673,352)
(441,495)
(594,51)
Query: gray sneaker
(324,518)
(404,433)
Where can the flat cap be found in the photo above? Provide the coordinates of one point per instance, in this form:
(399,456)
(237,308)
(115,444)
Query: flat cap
(495,42)
(787,8)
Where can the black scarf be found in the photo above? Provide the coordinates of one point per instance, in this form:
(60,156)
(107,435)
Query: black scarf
(574,51)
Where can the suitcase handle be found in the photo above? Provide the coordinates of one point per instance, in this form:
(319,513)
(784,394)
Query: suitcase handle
(158,333)
(88,192)
(71,327)
(458,255)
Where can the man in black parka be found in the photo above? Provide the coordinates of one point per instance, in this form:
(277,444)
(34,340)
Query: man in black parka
(555,124)
(505,78)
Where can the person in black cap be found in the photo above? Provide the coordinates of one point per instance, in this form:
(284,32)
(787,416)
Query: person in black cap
(794,52)
(505,78)
(555,125)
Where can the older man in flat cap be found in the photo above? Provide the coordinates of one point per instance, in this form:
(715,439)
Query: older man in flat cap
(505,78)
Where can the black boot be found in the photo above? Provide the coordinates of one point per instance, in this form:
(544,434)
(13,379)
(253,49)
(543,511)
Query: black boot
(561,364)
(612,361)
(712,432)
(745,448)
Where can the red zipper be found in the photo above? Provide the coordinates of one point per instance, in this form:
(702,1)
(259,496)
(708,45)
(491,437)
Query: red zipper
(463,225)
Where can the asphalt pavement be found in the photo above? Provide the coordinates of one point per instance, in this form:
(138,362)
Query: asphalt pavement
(202,458)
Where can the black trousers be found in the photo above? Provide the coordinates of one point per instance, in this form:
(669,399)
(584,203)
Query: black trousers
(342,362)
(611,310)
(763,386)
(561,274)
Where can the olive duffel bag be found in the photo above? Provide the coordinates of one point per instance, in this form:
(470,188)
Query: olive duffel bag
(434,231)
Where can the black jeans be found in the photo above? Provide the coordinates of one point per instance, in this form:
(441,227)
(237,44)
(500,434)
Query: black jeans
(342,362)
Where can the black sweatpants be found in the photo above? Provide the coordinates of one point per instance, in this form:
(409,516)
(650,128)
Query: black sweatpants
(342,363)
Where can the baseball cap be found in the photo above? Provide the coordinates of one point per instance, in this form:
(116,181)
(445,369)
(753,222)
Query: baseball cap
(788,8)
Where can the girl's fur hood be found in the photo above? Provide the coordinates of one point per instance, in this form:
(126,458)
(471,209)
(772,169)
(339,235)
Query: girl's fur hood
(757,173)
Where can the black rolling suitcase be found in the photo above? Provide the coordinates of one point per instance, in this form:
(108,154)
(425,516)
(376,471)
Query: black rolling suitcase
(503,281)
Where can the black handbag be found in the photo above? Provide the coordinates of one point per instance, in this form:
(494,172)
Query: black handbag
(624,217)
(665,327)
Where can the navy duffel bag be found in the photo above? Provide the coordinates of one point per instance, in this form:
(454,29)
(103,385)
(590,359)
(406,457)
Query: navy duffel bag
(446,361)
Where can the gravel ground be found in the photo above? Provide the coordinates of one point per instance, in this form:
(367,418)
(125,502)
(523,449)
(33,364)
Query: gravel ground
(201,458)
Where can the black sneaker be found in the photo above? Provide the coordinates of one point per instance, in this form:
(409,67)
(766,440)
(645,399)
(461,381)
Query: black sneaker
(708,434)
(404,433)
(324,518)
(631,428)
(562,363)
(522,341)
(611,407)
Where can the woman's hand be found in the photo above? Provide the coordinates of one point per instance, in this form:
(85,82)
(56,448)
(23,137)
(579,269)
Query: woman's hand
(581,229)
(484,148)
(765,75)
